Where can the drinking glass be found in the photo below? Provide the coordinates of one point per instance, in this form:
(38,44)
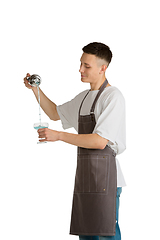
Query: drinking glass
(40,125)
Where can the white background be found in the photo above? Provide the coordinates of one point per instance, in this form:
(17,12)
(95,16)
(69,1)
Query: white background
(46,37)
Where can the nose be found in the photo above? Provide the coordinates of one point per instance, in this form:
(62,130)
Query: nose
(81,69)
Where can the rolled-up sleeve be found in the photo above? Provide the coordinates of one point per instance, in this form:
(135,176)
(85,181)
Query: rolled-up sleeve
(110,122)
(62,114)
(68,112)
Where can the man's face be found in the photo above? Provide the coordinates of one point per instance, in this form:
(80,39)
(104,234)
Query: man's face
(90,68)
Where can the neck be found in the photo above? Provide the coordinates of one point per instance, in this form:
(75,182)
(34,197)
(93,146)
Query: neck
(98,84)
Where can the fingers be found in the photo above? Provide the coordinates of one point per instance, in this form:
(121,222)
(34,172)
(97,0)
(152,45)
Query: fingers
(42,133)
(28,75)
(26,83)
(48,134)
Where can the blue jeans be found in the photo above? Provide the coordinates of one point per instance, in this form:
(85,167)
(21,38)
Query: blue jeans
(118,233)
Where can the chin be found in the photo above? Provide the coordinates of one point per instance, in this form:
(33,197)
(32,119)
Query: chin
(84,79)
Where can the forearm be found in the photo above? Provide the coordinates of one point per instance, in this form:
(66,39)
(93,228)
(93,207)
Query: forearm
(92,141)
(47,105)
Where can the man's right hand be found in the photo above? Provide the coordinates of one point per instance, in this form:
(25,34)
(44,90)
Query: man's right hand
(26,83)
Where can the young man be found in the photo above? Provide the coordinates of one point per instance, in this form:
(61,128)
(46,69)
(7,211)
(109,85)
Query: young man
(98,115)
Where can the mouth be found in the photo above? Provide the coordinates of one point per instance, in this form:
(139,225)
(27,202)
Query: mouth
(82,76)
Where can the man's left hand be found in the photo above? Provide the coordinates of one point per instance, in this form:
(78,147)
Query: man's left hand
(48,135)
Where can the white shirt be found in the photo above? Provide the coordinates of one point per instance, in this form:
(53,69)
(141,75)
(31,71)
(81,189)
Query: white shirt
(110,119)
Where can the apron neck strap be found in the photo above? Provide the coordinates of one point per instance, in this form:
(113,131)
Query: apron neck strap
(98,94)
(83,101)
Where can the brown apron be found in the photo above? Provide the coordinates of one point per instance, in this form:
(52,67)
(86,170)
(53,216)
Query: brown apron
(94,199)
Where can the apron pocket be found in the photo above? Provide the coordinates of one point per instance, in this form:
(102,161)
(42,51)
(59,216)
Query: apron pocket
(92,174)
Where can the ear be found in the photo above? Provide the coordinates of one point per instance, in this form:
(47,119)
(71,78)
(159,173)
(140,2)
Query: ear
(103,69)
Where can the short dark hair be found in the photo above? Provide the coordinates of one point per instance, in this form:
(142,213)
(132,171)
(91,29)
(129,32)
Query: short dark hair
(98,49)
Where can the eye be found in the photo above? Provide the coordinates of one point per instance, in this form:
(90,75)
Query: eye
(87,67)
